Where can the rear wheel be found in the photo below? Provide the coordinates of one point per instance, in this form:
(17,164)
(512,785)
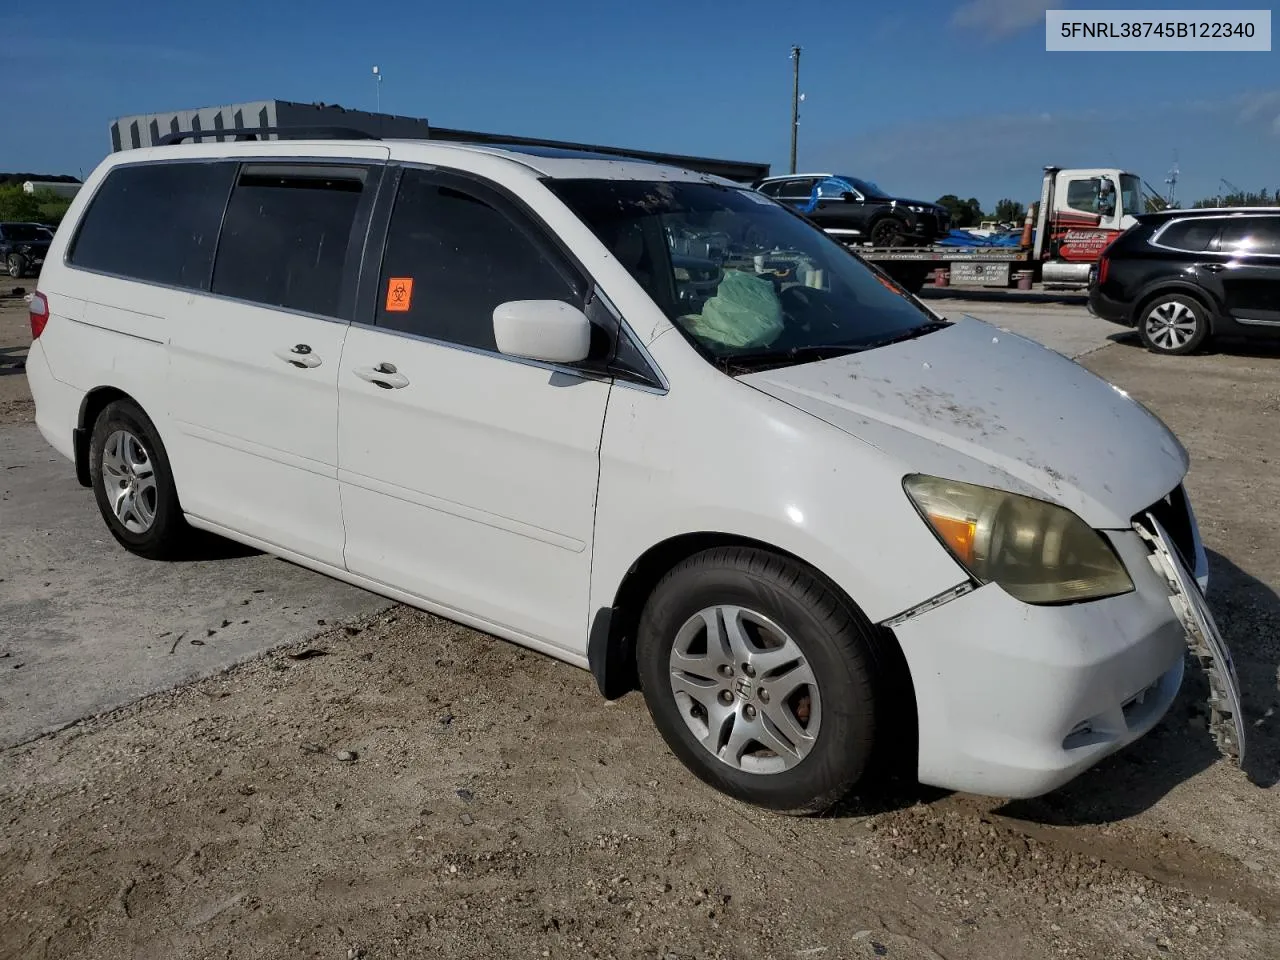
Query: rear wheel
(133,484)
(760,679)
(15,265)
(1173,323)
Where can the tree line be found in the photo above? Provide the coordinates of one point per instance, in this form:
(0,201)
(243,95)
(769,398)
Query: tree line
(968,213)
(43,206)
(1242,198)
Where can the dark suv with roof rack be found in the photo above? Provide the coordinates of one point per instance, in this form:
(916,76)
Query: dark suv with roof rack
(858,211)
(1182,276)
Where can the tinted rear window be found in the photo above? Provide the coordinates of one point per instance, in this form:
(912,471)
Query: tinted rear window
(287,231)
(1191,235)
(156,222)
(1249,235)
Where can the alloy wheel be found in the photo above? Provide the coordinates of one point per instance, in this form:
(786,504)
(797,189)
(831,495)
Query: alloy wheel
(129,481)
(745,690)
(1171,325)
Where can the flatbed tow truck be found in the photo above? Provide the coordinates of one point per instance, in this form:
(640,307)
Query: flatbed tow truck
(1080,211)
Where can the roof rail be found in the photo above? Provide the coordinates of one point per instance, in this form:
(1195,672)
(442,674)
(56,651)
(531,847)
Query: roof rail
(262,133)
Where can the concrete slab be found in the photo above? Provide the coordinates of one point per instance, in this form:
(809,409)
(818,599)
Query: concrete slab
(1064,325)
(86,626)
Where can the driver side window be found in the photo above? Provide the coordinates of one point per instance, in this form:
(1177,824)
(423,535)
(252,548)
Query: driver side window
(1082,195)
(454,251)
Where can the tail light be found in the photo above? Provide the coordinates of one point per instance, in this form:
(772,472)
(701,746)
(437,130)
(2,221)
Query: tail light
(39,314)
(1104,265)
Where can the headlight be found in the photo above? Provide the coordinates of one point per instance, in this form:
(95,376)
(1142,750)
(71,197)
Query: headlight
(1036,551)
(916,209)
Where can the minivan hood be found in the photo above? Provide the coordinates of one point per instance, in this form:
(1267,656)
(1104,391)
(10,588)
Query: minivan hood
(1041,424)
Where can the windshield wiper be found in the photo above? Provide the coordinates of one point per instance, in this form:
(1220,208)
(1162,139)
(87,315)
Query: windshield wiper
(930,327)
(801,354)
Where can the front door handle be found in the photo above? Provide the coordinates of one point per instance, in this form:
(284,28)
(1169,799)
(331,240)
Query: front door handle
(299,355)
(383,375)
(1215,267)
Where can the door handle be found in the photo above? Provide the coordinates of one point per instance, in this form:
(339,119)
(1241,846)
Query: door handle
(300,356)
(1215,267)
(383,375)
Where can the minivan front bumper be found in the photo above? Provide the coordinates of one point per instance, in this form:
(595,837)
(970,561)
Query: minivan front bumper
(1015,700)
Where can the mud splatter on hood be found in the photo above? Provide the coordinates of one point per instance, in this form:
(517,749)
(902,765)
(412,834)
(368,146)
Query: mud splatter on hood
(971,395)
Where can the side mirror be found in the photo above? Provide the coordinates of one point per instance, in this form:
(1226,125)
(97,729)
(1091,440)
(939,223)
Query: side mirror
(850,197)
(548,330)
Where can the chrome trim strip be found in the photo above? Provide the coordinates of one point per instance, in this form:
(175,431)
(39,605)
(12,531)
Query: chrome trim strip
(946,596)
(1259,323)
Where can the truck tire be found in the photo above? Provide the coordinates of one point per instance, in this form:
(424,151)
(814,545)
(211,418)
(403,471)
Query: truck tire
(913,282)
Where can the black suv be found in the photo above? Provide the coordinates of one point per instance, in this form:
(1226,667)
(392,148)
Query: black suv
(1181,276)
(857,211)
(22,247)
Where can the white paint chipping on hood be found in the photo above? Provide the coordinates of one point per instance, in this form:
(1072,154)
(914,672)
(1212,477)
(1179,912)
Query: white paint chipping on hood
(971,396)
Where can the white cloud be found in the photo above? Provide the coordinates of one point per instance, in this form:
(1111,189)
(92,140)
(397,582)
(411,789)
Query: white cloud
(1000,18)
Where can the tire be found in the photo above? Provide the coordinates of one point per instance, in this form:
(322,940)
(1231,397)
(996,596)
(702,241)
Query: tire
(888,232)
(913,282)
(133,483)
(831,661)
(1173,323)
(15,266)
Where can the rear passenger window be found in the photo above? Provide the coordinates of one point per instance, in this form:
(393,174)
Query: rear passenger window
(156,222)
(286,235)
(1190,235)
(1249,235)
(797,189)
(454,252)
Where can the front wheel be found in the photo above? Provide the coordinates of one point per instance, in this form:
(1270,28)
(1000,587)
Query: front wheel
(760,679)
(1173,323)
(15,266)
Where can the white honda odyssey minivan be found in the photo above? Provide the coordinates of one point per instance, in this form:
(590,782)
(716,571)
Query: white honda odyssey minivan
(644,420)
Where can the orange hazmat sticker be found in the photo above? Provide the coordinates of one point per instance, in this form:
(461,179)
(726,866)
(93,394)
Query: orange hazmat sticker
(399,294)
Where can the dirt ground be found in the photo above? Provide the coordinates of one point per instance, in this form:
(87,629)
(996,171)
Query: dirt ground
(405,787)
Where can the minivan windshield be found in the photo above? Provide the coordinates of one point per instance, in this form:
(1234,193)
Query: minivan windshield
(749,283)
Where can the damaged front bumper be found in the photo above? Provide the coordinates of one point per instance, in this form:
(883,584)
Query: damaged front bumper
(1226,719)
(1015,700)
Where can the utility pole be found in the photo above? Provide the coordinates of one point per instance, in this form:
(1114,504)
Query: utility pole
(795,102)
(1171,198)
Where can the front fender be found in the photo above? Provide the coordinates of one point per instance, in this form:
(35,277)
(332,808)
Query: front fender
(720,457)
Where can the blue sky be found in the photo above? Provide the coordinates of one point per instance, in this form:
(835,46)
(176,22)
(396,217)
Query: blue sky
(924,96)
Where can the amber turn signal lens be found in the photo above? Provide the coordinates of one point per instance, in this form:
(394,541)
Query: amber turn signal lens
(958,534)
